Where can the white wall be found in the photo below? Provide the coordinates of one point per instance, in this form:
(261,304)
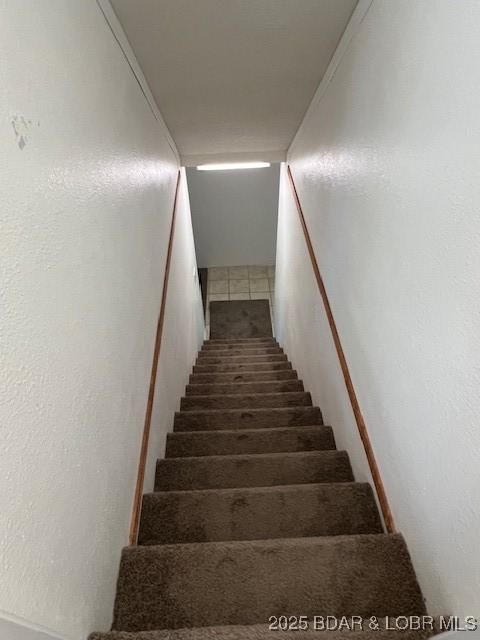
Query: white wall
(234,215)
(387,167)
(87,180)
(302,328)
(182,332)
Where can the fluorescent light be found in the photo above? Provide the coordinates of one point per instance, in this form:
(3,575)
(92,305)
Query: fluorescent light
(228,166)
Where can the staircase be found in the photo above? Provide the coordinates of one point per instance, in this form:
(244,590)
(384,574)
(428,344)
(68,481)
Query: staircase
(256,514)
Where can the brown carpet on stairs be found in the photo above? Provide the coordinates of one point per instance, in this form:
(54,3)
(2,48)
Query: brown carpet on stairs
(259,632)
(236,319)
(255,514)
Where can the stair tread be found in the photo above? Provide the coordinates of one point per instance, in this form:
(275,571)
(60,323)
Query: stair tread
(259,440)
(240,431)
(234,367)
(244,388)
(247,357)
(249,513)
(226,346)
(246,401)
(243,376)
(234,396)
(241,350)
(242,359)
(264,343)
(245,582)
(253,430)
(245,351)
(256,409)
(260,456)
(242,418)
(238,340)
(279,488)
(257,469)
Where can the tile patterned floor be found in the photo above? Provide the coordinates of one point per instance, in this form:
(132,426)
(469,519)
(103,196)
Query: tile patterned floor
(246,282)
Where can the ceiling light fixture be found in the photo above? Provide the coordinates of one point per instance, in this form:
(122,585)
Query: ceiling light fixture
(228,166)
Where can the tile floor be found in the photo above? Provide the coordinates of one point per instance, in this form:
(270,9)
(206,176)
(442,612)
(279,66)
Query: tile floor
(247,282)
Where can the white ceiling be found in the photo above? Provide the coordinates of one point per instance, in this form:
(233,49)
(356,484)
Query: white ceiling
(233,78)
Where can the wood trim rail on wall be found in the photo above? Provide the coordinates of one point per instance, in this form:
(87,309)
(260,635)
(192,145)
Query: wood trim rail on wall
(359,419)
(137,500)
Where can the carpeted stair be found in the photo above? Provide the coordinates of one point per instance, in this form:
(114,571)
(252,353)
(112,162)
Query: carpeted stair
(255,514)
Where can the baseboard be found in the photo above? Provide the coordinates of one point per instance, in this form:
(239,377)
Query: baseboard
(13,628)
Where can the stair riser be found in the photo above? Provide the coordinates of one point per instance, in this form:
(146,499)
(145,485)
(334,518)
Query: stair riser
(243,389)
(197,585)
(243,376)
(258,514)
(185,474)
(257,401)
(206,360)
(246,419)
(226,353)
(214,443)
(244,366)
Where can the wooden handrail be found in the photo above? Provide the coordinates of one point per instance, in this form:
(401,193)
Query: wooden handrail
(359,419)
(137,500)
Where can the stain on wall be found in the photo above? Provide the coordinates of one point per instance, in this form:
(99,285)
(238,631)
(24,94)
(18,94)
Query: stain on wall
(21,128)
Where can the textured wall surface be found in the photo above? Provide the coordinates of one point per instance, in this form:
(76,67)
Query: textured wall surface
(302,329)
(182,332)
(387,166)
(234,215)
(22,630)
(87,182)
